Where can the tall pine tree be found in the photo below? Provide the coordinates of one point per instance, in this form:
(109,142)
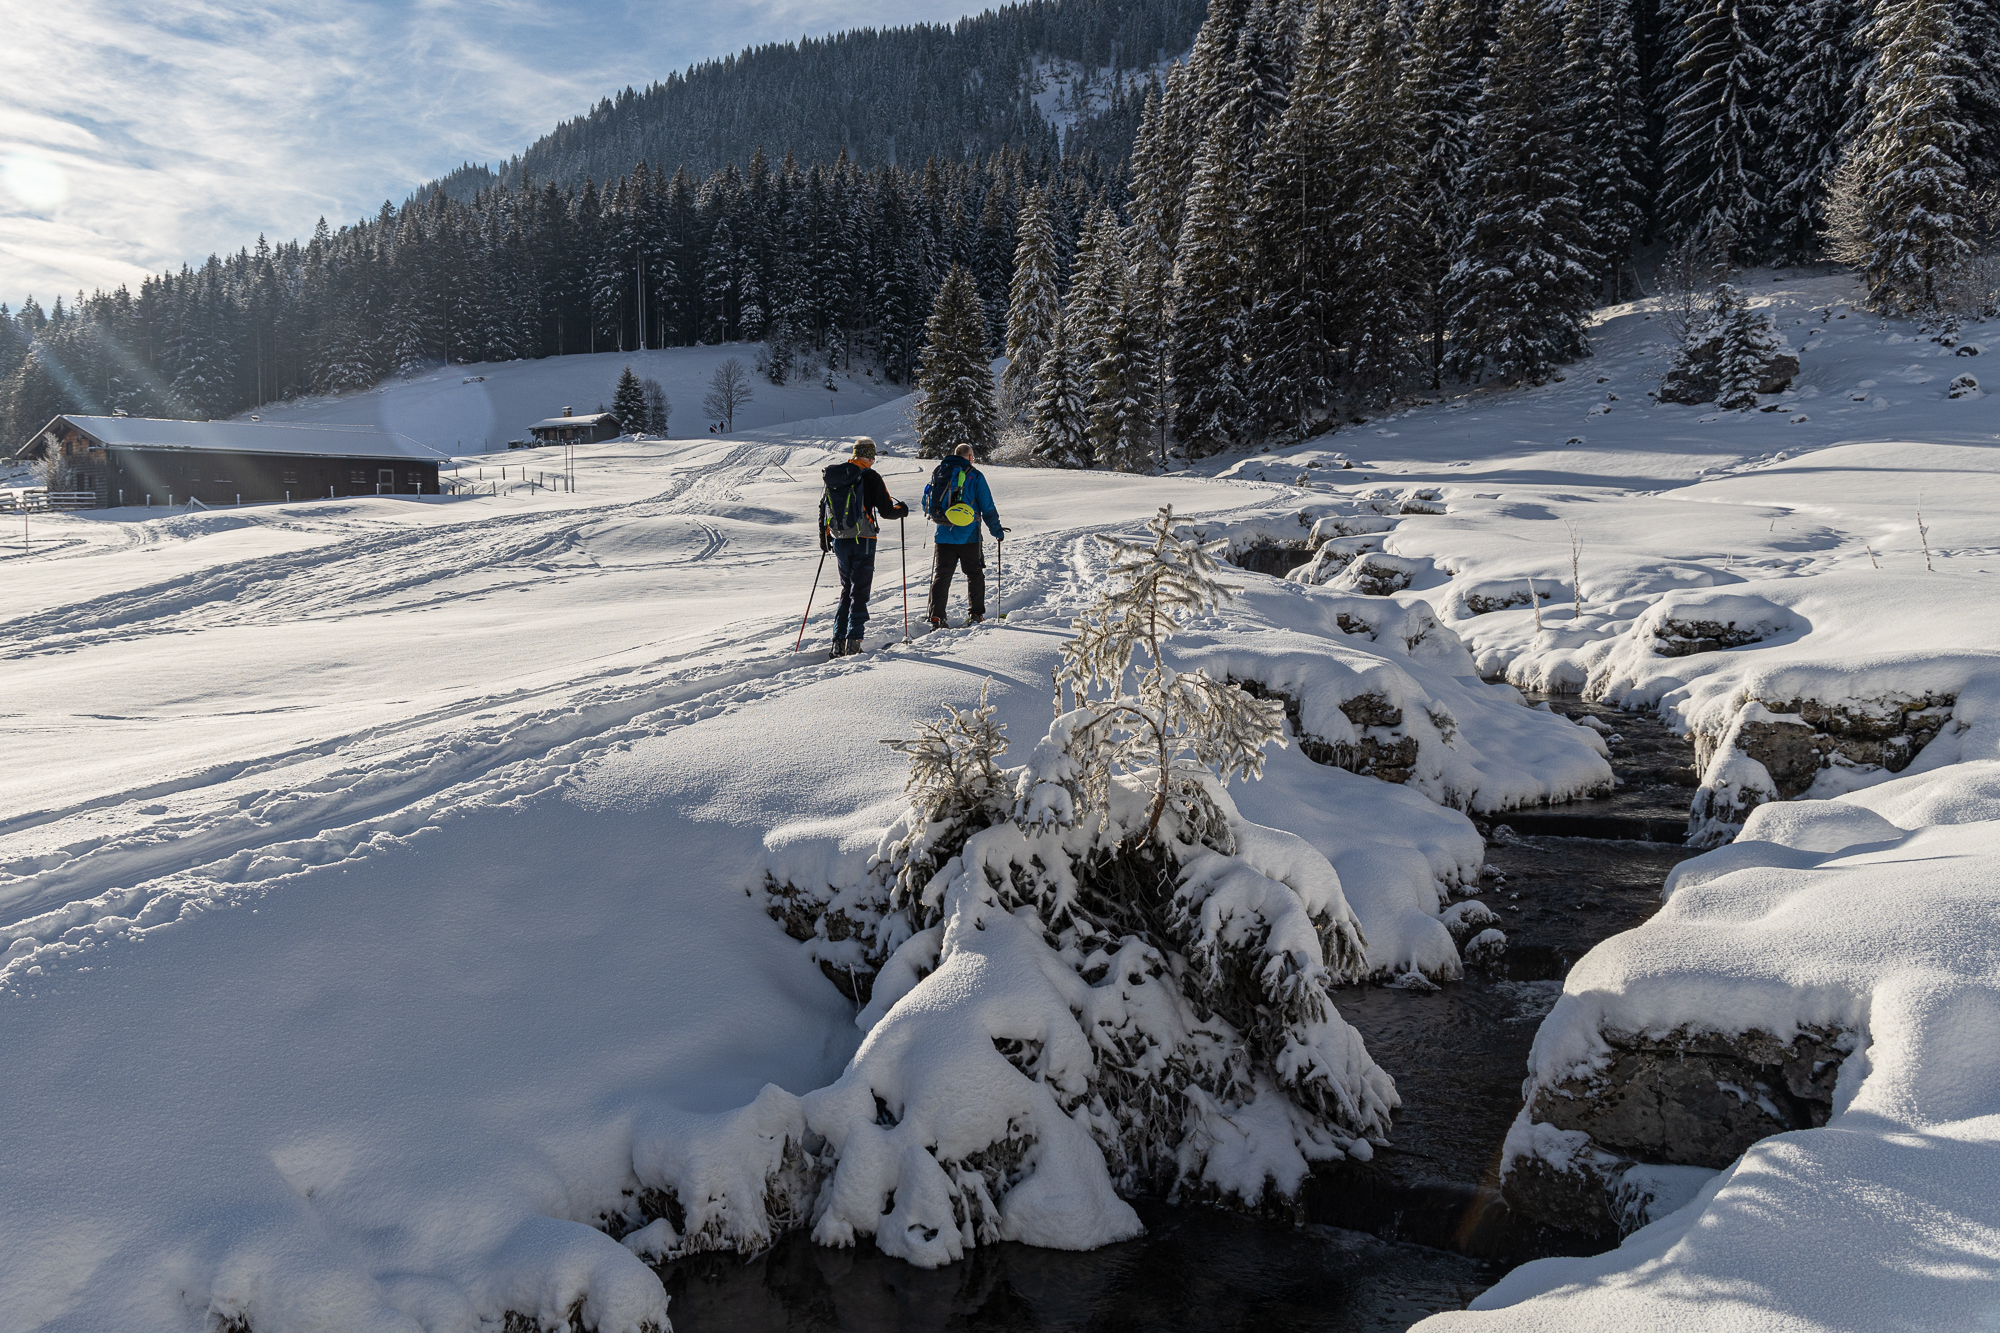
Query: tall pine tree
(1523,277)
(1060,423)
(957,376)
(1211,300)
(1608,109)
(1442,77)
(1032,306)
(1813,44)
(1715,137)
(1295,326)
(1906,221)
(628,401)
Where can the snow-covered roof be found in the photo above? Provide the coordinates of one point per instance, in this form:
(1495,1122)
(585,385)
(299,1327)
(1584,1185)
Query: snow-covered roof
(589,419)
(251,437)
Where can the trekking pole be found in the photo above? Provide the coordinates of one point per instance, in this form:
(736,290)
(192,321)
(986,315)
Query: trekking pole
(1000,578)
(809,599)
(903,531)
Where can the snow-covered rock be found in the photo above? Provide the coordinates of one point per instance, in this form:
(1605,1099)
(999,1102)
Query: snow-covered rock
(1815,1014)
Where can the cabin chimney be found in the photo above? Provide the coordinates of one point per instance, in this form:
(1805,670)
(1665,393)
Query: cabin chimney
(565,411)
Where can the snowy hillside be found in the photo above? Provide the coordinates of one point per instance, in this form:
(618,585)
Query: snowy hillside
(470,409)
(392,928)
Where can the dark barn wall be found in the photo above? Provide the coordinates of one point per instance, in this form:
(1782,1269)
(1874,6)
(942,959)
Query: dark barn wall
(595,433)
(217,478)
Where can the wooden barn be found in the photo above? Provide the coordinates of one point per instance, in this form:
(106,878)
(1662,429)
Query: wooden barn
(586,429)
(148,460)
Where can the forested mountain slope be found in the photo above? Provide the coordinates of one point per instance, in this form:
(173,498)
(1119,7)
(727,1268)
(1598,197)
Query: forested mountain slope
(1324,210)
(950,91)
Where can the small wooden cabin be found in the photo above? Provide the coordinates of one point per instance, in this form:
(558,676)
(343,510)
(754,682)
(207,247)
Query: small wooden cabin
(150,460)
(568,429)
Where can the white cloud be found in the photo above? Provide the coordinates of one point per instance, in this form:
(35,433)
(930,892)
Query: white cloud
(136,136)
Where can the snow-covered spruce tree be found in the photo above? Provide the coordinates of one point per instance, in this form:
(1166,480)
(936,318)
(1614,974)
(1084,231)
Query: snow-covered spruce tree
(1608,108)
(1295,327)
(1715,139)
(1905,206)
(1813,44)
(1094,269)
(1374,225)
(1441,82)
(1211,300)
(1747,340)
(957,375)
(628,401)
(659,409)
(1032,307)
(1060,422)
(1979,104)
(1150,254)
(1120,427)
(1096,979)
(1523,278)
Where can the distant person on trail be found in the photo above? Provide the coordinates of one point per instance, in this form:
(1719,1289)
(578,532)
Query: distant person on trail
(956,500)
(850,514)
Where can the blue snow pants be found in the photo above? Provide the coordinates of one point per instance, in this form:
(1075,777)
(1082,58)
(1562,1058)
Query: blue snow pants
(856,558)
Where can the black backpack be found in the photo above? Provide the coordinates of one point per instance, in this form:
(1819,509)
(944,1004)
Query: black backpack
(947,487)
(843,510)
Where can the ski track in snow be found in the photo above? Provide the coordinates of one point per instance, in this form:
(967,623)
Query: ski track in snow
(239,831)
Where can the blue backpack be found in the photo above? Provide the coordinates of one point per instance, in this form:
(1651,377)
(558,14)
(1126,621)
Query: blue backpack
(946,488)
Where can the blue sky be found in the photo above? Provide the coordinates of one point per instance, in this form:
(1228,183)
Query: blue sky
(137,136)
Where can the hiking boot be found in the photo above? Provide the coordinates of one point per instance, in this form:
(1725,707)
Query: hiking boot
(976,620)
(937,622)
(853,647)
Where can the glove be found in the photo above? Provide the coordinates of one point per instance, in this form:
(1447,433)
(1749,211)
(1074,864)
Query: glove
(825,542)
(900,511)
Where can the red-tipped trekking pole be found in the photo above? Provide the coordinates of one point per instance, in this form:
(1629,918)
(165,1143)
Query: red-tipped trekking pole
(809,599)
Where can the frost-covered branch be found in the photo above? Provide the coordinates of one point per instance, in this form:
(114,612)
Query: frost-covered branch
(1170,717)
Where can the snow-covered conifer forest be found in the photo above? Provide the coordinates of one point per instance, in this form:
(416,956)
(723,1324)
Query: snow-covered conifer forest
(1323,207)
(1480,776)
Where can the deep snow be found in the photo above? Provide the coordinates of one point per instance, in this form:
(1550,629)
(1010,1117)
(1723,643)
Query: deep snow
(390,877)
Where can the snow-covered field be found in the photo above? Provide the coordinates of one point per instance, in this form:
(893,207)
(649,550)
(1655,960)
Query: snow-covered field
(373,873)
(478,408)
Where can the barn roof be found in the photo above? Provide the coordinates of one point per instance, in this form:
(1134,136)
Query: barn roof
(248,437)
(588,420)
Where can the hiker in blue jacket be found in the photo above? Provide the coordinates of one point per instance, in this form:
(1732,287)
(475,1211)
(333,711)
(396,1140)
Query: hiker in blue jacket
(850,513)
(958,494)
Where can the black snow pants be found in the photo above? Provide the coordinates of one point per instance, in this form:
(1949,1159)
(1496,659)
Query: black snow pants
(856,558)
(950,556)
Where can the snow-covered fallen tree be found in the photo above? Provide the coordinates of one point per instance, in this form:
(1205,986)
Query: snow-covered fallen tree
(1098,979)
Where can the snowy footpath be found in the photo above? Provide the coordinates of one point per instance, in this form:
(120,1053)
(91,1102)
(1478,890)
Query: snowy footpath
(383,882)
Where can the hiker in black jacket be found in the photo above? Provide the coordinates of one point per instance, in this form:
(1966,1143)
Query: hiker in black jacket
(850,514)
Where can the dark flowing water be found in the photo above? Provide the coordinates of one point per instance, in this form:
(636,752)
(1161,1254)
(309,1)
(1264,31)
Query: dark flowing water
(1420,1229)
(1194,1269)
